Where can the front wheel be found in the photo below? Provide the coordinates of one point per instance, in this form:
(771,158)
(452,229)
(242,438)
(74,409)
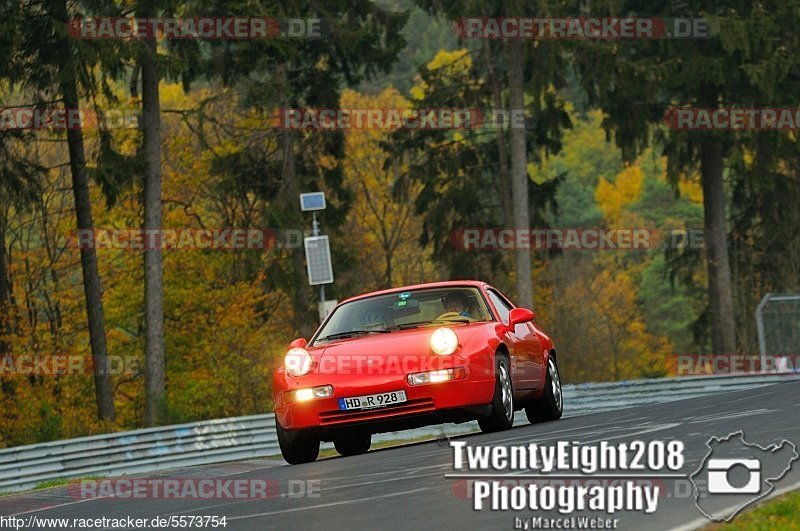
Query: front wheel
(297,447)
(353,444)
(502,417)
(551,404)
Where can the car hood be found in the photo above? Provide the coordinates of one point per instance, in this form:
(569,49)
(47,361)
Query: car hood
(403,350)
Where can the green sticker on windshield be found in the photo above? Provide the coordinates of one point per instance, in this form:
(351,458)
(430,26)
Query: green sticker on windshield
(400,304)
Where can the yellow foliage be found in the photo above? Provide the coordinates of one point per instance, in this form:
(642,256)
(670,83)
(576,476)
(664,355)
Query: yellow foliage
(635,352)
(691,189)
(381,221)
(613,197)
(223,331)
(449,64)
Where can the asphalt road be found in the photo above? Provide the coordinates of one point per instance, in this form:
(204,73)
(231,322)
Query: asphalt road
(406,488)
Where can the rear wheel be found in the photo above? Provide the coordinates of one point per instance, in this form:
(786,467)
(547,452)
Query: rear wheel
(502,417)
(353,444)
(551,404)
(296,446)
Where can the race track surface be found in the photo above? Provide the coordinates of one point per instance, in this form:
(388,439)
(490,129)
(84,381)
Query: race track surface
(406,488)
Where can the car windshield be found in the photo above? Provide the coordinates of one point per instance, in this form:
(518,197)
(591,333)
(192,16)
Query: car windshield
(403,310)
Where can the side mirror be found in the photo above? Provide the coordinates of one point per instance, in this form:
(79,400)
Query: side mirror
(519,316)
(298,343)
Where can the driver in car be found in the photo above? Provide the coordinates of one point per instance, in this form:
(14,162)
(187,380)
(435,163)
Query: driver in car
(374,320)
(455,304)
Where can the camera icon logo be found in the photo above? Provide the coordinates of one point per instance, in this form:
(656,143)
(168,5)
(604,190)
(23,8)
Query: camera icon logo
(719,481)
(734,474)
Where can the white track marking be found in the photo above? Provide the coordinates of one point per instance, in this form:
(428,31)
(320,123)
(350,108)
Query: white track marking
(331,504)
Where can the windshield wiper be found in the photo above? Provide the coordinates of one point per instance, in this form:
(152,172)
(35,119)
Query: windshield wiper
(407,326)
(351,333)
(460,319)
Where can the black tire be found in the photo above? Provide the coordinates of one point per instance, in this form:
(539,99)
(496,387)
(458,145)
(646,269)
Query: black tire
(502,417)
(550,406)
(353,444)
(297,447)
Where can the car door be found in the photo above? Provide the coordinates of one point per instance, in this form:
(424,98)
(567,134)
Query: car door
(526,349)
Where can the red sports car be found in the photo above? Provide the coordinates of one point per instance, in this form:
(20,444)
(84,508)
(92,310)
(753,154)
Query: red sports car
(409,357)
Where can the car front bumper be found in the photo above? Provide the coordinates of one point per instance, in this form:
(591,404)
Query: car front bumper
(452,400)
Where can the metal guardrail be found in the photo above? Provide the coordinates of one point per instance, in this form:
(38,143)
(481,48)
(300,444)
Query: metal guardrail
(595,397)
(147,450)
(232,439)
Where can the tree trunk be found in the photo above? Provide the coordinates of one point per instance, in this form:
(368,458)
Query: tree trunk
(155,365)
(5,294)
(519,168)
(502,154)
(6,385)
(4,291)
(290,196)
(92,287)
(720,293)
(387,272)
(302,294)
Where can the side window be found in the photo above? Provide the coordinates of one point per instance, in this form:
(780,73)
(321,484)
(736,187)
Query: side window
(501,305)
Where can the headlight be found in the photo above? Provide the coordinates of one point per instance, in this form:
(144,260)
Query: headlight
(304,395)
(443,375)
(444,341)
(297,361)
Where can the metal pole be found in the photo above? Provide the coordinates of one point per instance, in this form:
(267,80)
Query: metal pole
(315,229)
(762,340)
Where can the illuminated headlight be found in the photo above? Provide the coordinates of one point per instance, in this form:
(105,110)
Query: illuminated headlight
(444,375)
(297,361)
(304,395)
(444,341)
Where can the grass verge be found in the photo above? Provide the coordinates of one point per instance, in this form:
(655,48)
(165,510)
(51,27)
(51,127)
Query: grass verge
(782,513)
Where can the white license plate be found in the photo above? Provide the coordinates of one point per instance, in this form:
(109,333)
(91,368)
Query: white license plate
(372,401)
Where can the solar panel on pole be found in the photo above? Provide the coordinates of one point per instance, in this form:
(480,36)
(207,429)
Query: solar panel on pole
(318,260)
(312,201)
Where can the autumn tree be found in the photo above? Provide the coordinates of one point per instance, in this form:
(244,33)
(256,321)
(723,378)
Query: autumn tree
(383,209)
(46,62)
(524,76)
(361,40)
(20,183)
(461,171)
(635,82)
